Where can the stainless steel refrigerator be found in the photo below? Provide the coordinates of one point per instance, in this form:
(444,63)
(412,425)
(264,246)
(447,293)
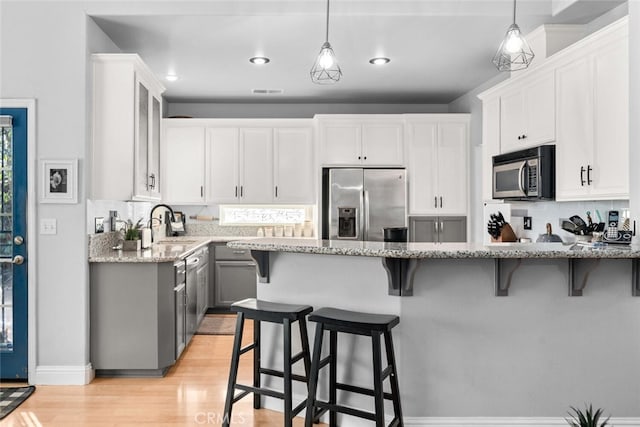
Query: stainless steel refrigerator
(359,203)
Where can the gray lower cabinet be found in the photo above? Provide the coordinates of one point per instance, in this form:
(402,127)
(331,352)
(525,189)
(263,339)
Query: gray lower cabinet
(132,312)
(202,277)
(235,276)
(438,229)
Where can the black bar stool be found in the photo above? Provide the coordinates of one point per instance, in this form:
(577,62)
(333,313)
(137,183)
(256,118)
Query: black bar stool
(264,311)
(351,322)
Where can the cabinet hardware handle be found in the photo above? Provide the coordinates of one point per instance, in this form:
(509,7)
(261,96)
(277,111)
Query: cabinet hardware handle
(201,191)
(239,252)
(359,157)
(435,201)
(153,181)
(519,137)
(589,180)
(276,191)
(524,136)
(242,191)
(440,201)
(582,176)
(441,226)
(435,226)
(365,157)
(236,191)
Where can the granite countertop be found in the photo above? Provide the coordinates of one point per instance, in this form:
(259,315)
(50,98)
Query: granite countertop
(436,250)
(168,250)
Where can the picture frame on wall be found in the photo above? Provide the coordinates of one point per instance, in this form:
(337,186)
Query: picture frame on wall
(59,181)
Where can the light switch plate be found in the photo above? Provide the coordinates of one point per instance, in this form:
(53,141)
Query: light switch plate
(48,226)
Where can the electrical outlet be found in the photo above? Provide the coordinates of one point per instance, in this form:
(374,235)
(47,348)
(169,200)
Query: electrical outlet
(48,226)
(527,223)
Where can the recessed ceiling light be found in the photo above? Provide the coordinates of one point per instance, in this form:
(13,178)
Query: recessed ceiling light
(171,77)
(259,60)
(379,60)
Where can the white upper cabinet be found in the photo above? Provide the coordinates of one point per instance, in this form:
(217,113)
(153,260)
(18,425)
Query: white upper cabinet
(437,151)
(366,140)
(593,119)
(184,164)
(293,167)
(127,111)
(257,165)
(528,113)
(223,151)
(579,99)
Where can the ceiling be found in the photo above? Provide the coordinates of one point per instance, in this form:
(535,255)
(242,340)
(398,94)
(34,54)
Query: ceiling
(439,49)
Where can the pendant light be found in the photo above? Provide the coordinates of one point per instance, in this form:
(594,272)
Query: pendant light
(325,69)
(514,52)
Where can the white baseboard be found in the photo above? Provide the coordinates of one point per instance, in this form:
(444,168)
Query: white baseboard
(64,375)
(504,421)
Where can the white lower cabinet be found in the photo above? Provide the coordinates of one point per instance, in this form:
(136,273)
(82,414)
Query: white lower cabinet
(438,164)
(593,122)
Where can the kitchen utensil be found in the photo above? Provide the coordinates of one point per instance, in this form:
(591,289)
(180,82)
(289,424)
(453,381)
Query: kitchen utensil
(548,237)
(581,226)
(507,234)
(569,226)
(598,215)
(589,221)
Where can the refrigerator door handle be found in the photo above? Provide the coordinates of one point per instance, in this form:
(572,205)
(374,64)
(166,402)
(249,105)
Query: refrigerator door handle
(366,215)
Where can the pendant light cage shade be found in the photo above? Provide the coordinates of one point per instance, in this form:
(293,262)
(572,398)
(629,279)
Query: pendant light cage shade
(514,52)
(325,69)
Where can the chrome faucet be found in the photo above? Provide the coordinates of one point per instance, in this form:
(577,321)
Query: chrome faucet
(161,205)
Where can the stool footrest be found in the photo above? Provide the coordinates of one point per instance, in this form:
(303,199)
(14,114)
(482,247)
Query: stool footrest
(386,372)
(299,408)
(265,391)
(247,348)
(346,410)
(240,396)
(297,357)
(361,390)
(280,374)
(395,422)
(324,362)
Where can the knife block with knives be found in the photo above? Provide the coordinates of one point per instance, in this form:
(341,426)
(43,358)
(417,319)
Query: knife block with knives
(499,229)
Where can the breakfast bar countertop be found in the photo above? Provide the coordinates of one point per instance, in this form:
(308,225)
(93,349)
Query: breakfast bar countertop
(415,250)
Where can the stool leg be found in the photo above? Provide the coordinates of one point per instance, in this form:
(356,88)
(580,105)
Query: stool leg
(288,418)
(313,376)
(256,362)
(333,367)
(393,379)
(378,392)
(233,371)
(304,339)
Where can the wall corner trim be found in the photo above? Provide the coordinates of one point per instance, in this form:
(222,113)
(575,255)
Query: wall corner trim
(64,375)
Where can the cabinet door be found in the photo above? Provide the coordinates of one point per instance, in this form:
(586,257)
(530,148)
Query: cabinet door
(382,144)
(153,169)
(203,276)
(235,281)
(490,143)
(452,229)
(540,112)
(184,165)
(610,174)
(511,120)
(340,143)
(423,229)
(223,154)
(293,166)
(422,139)
(575,133)
(256,167)
(452,180)
(141,187)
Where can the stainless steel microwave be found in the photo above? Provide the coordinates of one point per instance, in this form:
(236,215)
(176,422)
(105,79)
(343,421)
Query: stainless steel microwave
(526,174)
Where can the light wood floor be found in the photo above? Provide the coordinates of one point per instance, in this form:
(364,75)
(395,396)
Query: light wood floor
(191,394)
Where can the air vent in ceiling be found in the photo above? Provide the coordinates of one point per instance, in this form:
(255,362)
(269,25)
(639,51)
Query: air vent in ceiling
(267,91)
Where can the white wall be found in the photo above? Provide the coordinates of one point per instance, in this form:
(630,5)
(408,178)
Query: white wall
(301,110)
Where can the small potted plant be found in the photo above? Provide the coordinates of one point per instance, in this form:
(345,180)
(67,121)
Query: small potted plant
(132,236)
(588,418)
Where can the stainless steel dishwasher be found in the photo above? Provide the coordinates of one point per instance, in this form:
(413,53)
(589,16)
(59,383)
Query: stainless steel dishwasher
(193,262)
(180,293)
